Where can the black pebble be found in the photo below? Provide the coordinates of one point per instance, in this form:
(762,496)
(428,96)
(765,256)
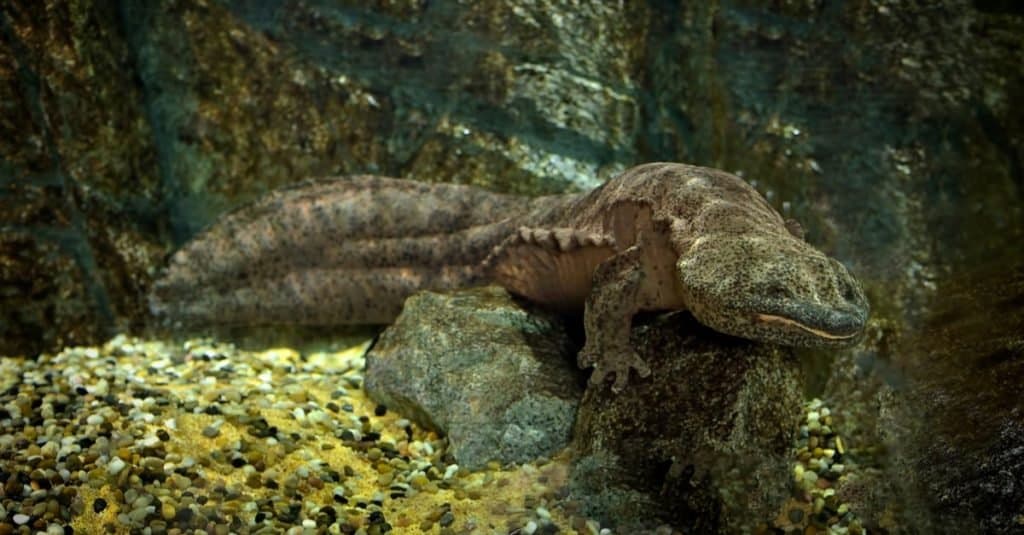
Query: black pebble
(98,505)
(163,435)
(380,410)
(183,516)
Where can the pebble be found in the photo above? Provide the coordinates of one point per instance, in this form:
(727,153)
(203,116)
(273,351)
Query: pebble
(115,466)
(20,518)
(451,471)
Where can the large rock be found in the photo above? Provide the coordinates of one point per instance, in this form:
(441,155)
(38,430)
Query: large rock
(497,378)
(951,419)
(703,444)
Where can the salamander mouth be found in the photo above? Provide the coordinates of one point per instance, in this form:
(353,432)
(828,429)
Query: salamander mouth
(820,333)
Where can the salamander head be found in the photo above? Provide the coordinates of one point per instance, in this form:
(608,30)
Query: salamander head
(771,287)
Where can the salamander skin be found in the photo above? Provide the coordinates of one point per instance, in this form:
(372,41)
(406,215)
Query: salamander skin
(660,236)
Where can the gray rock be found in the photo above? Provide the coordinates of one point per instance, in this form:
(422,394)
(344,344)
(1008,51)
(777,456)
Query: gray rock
(497,378)
(702,444)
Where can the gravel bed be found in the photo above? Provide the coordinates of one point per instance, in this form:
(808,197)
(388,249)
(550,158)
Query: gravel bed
(144,436)
(823,463)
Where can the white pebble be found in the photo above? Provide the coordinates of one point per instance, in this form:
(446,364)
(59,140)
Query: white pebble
(543,513)
(94,419)
(530,528)
(115,466)
(309,523)
(20,518)
(451,471)
(318,416)
(100,388)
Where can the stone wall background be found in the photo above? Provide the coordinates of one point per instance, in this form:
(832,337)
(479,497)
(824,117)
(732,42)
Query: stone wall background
(127,126)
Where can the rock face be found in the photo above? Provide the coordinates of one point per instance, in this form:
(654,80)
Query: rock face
(499,380)
(952,420)
(703,444)
(128,126)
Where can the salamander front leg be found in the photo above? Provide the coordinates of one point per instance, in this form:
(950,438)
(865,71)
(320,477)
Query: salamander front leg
(608,318)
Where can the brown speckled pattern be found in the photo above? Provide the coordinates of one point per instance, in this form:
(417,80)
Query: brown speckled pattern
(336,251)
(660,236)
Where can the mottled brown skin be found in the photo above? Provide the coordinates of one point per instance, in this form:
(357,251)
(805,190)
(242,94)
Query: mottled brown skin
(661,236)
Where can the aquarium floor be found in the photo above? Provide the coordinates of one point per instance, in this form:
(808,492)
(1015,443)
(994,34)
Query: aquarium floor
(146,436)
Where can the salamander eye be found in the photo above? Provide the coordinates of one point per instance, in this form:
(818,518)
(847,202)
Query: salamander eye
(849,294)
(846,287)
(778,291)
